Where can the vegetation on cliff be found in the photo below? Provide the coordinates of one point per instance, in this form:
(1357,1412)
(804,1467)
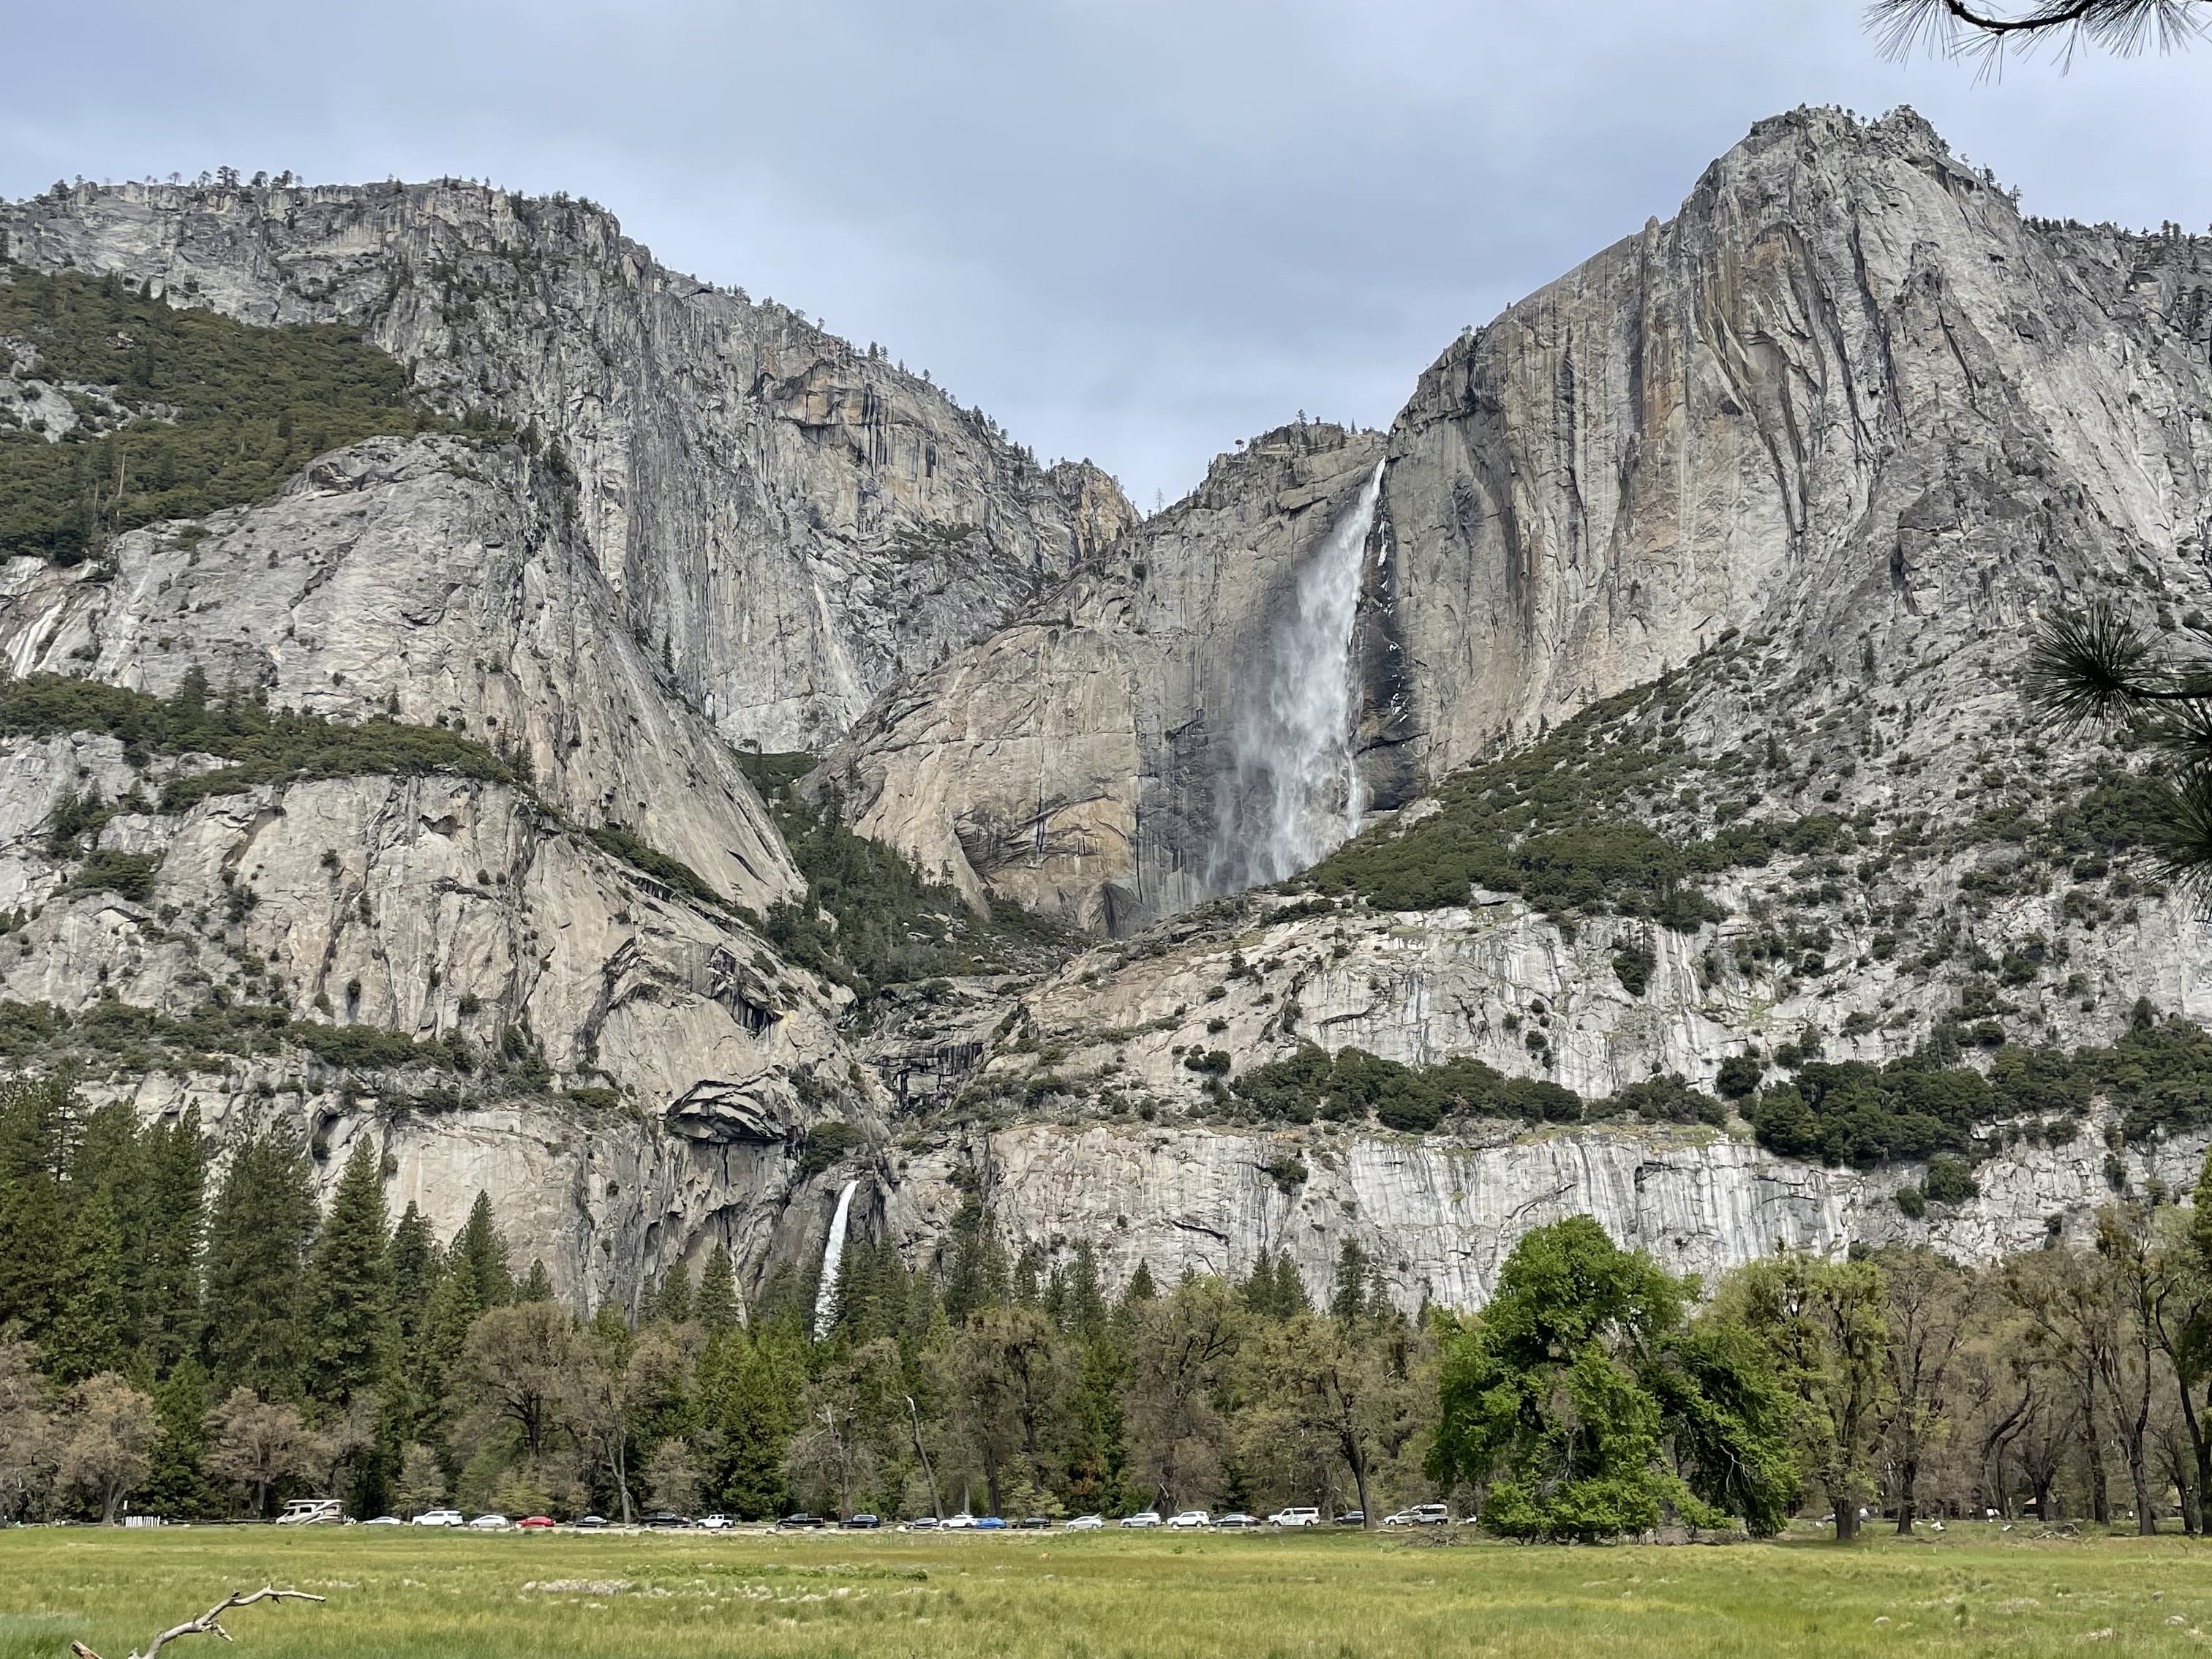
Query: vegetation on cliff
(262,746)
(175,413)
(870,917)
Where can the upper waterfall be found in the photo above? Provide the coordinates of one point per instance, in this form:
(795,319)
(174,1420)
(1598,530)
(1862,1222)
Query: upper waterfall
(1291,794)
(833,1257)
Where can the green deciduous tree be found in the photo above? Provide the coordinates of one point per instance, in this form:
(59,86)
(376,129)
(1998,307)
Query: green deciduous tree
(1825,1324)
(1562,1396)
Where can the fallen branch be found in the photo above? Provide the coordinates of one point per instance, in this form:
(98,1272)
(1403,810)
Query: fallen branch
(206,1624)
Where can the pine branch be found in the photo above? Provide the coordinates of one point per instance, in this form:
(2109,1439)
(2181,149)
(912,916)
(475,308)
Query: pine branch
(207,1624)
(2091,667)
(1957,28)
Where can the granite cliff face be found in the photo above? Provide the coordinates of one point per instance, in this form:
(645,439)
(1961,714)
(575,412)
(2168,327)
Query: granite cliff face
(1440,1216)
(1806,464)
(1846,395)
(1847,398)
(1081,760)
(792,524)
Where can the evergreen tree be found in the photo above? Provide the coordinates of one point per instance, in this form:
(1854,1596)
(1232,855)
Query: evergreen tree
(716,1308)
(174,1160)
(1273,1290)
(177,1485)
(87,1334)
(37,1120)
(538,1285)
(751,1391)
(1141,1287)
(414,1273)
(1086,1301)
(436,1369)
(349,1286)
(264,1216)
(482,1253)
(673,1306)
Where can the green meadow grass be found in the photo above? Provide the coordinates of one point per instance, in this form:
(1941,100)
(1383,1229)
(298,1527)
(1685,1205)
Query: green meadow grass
(1099,1597)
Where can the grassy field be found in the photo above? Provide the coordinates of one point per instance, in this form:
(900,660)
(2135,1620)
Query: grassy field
(672,1597)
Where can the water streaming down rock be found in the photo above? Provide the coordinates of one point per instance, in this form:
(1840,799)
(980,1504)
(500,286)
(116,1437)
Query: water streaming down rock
(833,1257)
(1291,794)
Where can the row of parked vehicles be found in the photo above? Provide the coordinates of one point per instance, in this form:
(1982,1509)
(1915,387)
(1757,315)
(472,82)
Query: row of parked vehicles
(326,1511)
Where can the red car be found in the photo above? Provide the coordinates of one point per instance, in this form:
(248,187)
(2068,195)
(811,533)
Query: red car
(535,1521)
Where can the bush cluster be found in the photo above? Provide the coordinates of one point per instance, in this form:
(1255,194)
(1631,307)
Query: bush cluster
(870,917)
(198,412)
(262,746)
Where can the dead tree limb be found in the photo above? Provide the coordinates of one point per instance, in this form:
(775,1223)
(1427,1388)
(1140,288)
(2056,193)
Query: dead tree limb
(206,1624)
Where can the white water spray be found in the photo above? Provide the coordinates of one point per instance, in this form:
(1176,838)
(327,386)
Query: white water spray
(1291,794)
(833,1258)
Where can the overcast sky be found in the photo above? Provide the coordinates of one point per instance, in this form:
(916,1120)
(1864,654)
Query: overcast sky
(1131,229)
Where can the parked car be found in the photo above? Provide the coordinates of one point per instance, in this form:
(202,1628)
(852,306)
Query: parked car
(1190,1520)
(990,1523)
(488,1523)
(1239,1522)
(1299,1515)
(589,1523)
(440,1518)
(1033,1523)
(1142,1518)
(312,1512)
(383,1521)
(716,1522)
(537,1523)
(920,1523)
(863,1522)
(1086,1523)
(663,1518)
(1421,1515)
(962,1521)
(800,1519)
(1352,1518)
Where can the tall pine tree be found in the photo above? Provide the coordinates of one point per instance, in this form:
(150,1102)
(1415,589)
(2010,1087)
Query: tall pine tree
(173,1157)
(716,1307)
(483,1253)
(414,1273)
(87,1334)
(37,1123)
(258,1240)
(349,1287)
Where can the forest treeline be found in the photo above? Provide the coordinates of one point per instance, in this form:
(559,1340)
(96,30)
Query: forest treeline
(185,1330)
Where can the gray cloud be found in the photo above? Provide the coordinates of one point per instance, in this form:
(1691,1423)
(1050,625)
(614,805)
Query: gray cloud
(1131,229)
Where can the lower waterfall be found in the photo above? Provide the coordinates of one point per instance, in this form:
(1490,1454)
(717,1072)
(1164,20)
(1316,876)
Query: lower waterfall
(1291,794)
(833,1258)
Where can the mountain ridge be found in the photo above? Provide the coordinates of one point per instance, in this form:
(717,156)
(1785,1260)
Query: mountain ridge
(1767,556)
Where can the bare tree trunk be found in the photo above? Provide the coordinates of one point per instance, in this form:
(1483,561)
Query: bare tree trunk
(1908,1476)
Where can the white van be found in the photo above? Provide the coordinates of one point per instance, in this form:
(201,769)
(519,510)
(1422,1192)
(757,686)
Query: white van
(313,1512)
(1296,1516)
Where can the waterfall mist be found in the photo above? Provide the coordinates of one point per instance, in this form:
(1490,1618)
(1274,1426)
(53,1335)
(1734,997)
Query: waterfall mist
(1291,794)
(833,1259)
